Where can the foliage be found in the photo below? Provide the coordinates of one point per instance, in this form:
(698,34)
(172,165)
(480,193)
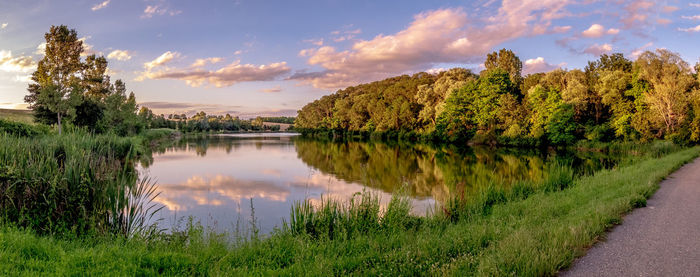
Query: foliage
(21,129)
(66,88)
(651,98)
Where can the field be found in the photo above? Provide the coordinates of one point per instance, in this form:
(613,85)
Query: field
(24,116)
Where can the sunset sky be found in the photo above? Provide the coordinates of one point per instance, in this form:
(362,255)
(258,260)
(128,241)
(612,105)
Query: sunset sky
(260,57)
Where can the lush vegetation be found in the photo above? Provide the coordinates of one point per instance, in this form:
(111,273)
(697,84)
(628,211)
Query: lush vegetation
(501,233)
(655,97)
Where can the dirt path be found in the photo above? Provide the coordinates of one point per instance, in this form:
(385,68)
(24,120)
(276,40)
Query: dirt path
(662,239)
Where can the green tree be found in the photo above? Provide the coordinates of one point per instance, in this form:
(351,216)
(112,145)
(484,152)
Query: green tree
(671,80)
(507,61)
(561,125)
(456,122)
(56,81)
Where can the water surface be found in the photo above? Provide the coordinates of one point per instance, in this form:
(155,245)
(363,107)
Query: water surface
(214,179)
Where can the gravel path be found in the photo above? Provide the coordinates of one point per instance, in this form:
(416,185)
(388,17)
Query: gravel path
(661,239)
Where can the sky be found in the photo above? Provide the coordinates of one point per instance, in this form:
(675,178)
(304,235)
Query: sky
(269,58)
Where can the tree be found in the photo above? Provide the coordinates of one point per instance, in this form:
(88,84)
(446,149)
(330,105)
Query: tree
(614,89)
(485,101)
(456,122)
(56,77)
(432,96)
(561,125)
(507,61)
(671,80)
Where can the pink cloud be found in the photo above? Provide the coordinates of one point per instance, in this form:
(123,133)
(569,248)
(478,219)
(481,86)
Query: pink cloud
(439,36)
(597,50)
(226,76)
(597,30)
(539,65)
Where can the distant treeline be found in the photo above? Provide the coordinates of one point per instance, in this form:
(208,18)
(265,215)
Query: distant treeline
(201,122)
(279,119)
(657,96)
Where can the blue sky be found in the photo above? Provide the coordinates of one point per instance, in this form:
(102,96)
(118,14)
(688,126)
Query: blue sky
(271,57)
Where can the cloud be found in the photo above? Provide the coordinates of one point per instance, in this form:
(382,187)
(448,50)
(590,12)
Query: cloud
(597,30)
(8,63)
(663,21)
(203,62)
(152,10)
(597,50)
(561,29)
(669,9)
(3,26)
(88,49)
(100,5)
(637,52)
(694,17)
(270,90)
(213,109)
(438,36)
(539,65)
(690,30)
(40,49)
(637,13)
(317,42)
(120,55)
(222,77)
(343,35)
(161,60)
(694,5)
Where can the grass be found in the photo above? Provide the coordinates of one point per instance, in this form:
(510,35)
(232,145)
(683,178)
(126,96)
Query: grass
(24,116)
(76,184)
(526,230)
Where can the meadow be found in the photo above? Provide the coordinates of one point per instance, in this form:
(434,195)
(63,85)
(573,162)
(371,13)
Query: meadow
(24,116)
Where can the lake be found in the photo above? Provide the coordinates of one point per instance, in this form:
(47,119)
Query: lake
(217,179)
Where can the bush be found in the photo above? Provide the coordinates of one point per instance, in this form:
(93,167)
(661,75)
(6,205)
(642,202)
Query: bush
(21,129)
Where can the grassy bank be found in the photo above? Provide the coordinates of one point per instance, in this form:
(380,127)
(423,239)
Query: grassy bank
(533,229)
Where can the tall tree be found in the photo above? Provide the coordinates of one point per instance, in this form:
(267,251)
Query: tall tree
(671,80)
(508,61)
(57,74)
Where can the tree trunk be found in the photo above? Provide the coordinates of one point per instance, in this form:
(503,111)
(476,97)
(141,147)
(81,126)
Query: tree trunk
(59,123)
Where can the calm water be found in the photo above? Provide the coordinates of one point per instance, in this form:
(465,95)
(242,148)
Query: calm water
(213,179)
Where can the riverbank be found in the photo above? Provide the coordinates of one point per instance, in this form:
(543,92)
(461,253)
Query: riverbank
(532,230)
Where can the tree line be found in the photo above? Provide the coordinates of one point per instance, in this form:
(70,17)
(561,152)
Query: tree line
(656,96)
(202,122)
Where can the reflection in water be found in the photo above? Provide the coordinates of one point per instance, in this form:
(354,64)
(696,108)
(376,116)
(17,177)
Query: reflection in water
(214,178)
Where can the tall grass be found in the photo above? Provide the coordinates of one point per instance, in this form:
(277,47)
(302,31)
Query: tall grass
(71,184)
(332,219)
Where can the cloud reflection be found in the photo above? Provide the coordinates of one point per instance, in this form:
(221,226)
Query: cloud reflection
(213,191)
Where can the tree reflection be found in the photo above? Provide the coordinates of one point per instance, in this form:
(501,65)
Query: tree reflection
(436,171)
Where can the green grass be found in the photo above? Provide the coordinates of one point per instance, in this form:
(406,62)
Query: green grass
(530,229)
(24,116)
